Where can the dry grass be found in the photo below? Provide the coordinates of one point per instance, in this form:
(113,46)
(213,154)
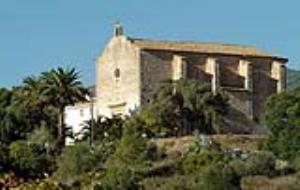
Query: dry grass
(265,183)
(244,142)
(181,144)
(164,171)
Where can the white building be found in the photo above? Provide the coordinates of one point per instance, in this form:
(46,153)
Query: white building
(77,114)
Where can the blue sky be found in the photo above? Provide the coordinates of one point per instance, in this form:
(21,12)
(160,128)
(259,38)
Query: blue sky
(38,35)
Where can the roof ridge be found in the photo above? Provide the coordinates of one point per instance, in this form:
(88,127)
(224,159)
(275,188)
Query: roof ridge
(194,42)
(203,47)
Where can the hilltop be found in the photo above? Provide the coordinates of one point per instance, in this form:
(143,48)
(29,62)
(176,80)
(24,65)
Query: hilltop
(293,79)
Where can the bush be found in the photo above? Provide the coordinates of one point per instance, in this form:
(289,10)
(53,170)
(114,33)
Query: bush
(4,159)
(44,185)
(154,153)
(258,163)
(176,182)
(219,177)
(239,167)
(296,164)
(125,166)
(282,117)
(43,138)
(194,162)
(29,161)
(79,159)
(123,178)
(261,163)
(104,129)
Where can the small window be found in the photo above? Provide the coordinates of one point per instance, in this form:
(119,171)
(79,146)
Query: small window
(81,112)
(117,73)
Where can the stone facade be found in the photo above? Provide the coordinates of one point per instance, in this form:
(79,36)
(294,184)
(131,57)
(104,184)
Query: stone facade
(118,84)
(130,70)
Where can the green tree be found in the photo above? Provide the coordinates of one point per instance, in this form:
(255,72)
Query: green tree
(183,106)
(5,98)
(62,87)
(197,161)
(80,158)
(13,122)
(40,108)
(23,109)
(14,125)
(43,138)
(4,159)
(29,161)
(125,166)
(282,119)
(102,128)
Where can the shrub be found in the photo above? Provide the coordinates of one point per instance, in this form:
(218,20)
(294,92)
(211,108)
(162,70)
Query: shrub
(43,138)
(296,164)
(153,152)
(79,159)
(29,161)
(239,167)
(104,129)
(282,117)
(44,185)
(176,182)
(194,161)
(261,163)
(123,178)
(258,163)
(219,177)
(4,159)
(124,167)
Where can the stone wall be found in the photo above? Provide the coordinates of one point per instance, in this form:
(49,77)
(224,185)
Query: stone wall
(240,116)
(118,78)
(155,68)
(278,72)
(127,77)
(229,72)
(263,85)
(249,81)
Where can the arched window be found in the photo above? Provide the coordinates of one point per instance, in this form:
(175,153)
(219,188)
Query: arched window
(117,73)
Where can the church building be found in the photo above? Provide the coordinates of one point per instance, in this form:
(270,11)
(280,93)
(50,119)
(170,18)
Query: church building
(130,70)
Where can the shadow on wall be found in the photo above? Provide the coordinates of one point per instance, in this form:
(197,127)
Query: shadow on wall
(237,122)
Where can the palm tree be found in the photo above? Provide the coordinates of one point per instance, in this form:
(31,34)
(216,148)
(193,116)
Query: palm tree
(63,87)
(32,90)
(188,105)
(203,109)
(30,96)
(102,128)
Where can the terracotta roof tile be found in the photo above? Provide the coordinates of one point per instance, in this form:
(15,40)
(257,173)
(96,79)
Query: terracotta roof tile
(199,47)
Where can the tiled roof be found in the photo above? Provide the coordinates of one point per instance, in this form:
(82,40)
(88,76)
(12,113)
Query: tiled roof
(199,47)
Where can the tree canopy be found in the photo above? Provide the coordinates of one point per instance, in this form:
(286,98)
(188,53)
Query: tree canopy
(282,119)
(184,106)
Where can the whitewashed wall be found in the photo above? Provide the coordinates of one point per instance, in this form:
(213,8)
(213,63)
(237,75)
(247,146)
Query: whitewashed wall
(76,115)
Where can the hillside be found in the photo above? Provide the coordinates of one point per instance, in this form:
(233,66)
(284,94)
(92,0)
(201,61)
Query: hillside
(293,79)
(165,175)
